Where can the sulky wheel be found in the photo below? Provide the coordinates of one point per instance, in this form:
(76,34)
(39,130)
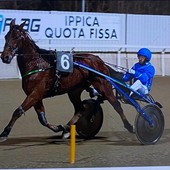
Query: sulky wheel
(146,133)
(90,123)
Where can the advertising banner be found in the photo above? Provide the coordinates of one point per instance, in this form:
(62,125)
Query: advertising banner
(64,25)
(83,26)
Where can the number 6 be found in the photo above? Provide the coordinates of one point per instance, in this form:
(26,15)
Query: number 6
(65,64)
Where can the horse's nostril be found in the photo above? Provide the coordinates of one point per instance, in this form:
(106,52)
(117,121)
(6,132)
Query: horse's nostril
(6,59)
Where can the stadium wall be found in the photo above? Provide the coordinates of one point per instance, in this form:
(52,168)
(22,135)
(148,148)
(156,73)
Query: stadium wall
(114,37)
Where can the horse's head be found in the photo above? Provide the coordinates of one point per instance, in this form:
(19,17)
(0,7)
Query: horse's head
(12,41)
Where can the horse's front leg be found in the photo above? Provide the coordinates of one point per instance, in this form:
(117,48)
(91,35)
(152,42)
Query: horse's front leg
(17,113)
(40,110)
(27,104)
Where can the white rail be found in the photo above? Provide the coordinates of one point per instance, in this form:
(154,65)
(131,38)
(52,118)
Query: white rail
(118,50)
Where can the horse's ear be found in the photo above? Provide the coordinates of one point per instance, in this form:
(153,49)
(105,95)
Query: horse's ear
(22,25)
(12,23)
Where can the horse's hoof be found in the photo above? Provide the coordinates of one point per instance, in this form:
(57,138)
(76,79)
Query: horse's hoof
(2,139)
(57,129)
(66,135)
(132,129)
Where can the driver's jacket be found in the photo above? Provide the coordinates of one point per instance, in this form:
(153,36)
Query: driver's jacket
(144,73)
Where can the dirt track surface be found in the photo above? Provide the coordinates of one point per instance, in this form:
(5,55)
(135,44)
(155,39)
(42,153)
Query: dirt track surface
(30,145)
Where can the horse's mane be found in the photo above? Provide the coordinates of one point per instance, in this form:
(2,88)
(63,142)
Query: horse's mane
(47,55)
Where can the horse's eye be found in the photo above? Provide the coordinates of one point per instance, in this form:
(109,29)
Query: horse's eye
(16,37)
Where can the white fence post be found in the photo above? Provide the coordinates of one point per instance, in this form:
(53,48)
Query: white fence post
(163,61)
(118,57)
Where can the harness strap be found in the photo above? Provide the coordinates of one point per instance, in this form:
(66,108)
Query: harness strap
(35,71)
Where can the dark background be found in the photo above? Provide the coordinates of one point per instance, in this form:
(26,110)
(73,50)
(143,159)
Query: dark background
(154,7)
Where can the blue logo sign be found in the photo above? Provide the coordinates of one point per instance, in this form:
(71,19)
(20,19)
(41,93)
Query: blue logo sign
(1,21)
(31,25)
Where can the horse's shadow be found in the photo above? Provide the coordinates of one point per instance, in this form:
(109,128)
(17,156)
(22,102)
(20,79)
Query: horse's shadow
(24,140)
(104,138)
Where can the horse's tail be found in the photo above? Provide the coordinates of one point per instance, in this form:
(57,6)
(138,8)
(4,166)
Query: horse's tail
(119,77)
(115,74)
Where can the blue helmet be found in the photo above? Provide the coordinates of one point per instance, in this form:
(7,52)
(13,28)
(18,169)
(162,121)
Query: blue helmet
(145,52)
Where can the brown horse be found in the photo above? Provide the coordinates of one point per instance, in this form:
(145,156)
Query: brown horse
(39,79)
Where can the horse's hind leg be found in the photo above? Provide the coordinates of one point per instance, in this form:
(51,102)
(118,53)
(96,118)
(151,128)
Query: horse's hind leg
(74,97)
(40,110)
(117,106)
(105,89)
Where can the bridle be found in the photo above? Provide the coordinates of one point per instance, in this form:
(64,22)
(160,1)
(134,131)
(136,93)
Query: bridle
(13,49)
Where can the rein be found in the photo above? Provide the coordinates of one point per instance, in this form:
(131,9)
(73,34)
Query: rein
(114,66)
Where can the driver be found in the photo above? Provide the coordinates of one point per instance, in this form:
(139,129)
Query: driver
(142,72)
